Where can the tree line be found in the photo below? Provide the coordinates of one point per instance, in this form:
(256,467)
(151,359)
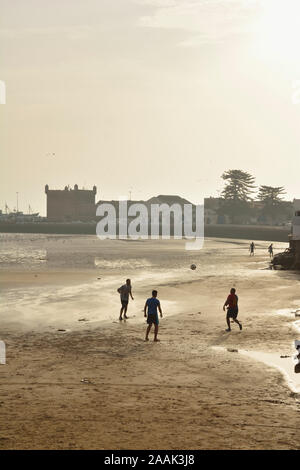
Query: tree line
(238,203)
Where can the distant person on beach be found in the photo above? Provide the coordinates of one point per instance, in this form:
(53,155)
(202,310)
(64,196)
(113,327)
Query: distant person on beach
(124,292)
(152,304)
(232,308)
(270,250)
(251,249)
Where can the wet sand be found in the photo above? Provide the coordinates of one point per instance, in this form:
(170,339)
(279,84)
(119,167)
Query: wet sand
(98,385)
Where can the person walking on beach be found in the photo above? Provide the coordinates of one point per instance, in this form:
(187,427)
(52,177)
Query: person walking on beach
(152,304)
(251,249)
(124,292)
(232,309)
(270,250)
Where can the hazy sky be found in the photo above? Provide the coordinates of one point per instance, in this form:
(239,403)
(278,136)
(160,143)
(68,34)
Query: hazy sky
(149,96)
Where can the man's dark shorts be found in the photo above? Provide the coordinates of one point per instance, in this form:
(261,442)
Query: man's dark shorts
(124,303)
(232,313)
(152,318)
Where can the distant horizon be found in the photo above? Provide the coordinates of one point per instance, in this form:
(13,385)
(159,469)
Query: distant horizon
(24,208)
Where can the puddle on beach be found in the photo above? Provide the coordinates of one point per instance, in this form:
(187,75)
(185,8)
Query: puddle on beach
(286,312)
(295,313)
(296,325)
(286,365)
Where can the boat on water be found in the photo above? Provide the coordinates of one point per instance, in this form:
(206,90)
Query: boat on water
(17,216)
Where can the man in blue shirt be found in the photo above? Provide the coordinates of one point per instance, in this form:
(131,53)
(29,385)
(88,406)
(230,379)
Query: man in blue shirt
(152,304)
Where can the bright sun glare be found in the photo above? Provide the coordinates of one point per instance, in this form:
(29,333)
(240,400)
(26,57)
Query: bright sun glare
(278,30)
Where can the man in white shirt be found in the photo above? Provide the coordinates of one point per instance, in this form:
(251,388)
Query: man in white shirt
(124,292)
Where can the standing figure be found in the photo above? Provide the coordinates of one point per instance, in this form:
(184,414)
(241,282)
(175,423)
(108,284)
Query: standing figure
(152,317)
(124,292)
(251,249)
(270,250)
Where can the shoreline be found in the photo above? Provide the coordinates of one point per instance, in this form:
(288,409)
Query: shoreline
(255,232)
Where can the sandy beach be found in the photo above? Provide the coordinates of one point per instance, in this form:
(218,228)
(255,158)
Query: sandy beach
(77,378)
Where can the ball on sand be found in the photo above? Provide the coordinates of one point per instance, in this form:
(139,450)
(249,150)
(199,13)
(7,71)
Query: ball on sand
(193,267)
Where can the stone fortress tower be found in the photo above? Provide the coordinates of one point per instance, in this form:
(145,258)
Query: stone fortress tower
(71,205)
